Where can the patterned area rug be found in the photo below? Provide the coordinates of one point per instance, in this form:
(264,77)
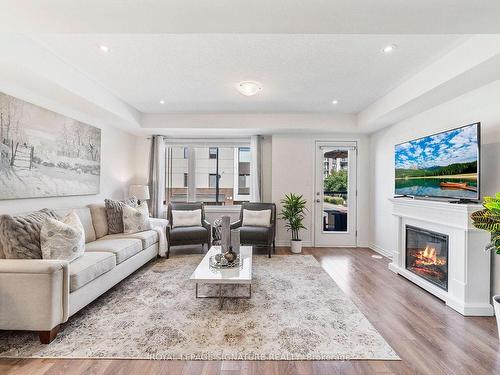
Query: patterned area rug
(296,312)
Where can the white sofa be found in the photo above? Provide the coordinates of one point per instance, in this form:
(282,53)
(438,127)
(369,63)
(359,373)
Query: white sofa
(39,295)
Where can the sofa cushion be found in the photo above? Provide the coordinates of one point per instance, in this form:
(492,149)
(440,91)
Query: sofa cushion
(114,213)
(254,234)
(20,235)
(122,248)
(148,237)
(260,218)
(99,219)
(89,267)
(85,218)
(136,219)
(186,218)
(188,234)
(62,239)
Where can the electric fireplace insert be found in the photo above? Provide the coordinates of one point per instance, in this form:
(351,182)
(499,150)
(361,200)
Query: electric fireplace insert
(427,255)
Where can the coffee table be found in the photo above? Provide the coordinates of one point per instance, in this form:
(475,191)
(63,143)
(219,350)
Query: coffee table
(242,274)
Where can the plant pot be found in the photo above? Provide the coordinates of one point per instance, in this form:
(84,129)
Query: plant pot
(296,246)
(496,305)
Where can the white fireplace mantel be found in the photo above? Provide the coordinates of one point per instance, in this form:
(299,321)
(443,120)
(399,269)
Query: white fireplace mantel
(468,263)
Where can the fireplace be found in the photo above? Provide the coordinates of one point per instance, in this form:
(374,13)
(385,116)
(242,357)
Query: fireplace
(427,255)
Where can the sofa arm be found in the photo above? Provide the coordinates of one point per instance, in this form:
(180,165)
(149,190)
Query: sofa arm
(34,294)
(235,225)
(158,223)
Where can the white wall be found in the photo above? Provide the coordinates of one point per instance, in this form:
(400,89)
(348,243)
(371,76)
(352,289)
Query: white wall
(293,163)
(117,173)
(478,105)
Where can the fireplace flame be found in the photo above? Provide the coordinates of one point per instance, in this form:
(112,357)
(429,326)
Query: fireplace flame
(428,257)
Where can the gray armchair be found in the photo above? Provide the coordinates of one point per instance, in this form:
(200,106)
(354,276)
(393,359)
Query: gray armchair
(259,236)
(187,235)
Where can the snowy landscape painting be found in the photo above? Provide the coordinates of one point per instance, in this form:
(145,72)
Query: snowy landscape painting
(45,154)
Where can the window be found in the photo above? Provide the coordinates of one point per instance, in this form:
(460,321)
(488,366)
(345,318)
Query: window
(212,153)
(212,180)
(242,172)
(216,174)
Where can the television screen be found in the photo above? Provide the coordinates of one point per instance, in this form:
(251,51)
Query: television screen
(441,165)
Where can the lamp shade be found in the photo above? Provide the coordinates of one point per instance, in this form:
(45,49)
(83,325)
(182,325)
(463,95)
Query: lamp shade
(141,192)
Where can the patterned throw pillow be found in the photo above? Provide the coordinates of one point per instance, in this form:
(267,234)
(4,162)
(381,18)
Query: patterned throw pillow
(136,219)
(64,239)
(114,213)
(20,235)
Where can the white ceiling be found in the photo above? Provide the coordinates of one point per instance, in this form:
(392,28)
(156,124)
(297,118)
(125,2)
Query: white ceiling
(198,72)
(256,16)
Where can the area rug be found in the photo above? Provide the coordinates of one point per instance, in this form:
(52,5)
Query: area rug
(296,312)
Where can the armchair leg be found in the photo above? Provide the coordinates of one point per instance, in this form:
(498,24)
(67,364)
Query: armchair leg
(46,337)
(168,250)
(274,247)
(269,251)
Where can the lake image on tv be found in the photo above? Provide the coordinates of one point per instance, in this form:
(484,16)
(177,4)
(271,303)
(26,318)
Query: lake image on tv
(441,165)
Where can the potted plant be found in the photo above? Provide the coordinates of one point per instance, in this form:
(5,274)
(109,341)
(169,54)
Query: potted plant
(489,219)
(293,212)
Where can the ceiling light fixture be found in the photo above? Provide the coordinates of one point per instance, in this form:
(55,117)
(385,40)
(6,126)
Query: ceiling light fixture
(162,101)
(104,48)
(335,102)
(249,88)
(388,49)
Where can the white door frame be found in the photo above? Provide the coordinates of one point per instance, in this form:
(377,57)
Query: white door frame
(315,206)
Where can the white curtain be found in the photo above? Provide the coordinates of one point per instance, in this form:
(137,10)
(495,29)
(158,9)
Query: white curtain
(255,168)
(157,177)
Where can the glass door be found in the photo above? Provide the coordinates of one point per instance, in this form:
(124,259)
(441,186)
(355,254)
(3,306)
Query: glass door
(335,194)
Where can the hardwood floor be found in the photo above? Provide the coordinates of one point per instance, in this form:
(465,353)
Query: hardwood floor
(429,337)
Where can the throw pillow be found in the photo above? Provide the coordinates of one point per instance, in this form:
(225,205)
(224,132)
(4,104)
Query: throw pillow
(20,235)
(64,239)
(186,218)
(136,219)
(114,213)
(261,218)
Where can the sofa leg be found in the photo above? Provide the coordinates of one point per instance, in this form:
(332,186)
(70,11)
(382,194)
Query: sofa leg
(274,247)
(46,337)
(269,251)
(168,251)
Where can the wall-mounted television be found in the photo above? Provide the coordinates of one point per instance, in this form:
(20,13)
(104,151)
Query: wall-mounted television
(441,165)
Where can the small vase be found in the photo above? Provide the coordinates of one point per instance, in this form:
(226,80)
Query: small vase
(235,240)
(225,240)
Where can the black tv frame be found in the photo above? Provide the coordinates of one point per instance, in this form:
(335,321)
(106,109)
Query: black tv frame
(478,196)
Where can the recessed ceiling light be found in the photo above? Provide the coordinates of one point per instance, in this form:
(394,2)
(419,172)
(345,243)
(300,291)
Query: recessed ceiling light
(104,48)
(335,102)
(162,101)
(388,49)
(249,88)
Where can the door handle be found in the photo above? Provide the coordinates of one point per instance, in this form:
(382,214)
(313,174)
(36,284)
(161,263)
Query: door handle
(318,200)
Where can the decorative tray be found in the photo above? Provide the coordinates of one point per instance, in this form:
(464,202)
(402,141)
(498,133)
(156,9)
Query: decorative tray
(218,261)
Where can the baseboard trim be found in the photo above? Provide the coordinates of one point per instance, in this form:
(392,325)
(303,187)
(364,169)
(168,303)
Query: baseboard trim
(287,243)
(381,250)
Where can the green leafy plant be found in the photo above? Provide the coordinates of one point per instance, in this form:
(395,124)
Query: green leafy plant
(489,219)
(336,181)
(334,200)
(293,212)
